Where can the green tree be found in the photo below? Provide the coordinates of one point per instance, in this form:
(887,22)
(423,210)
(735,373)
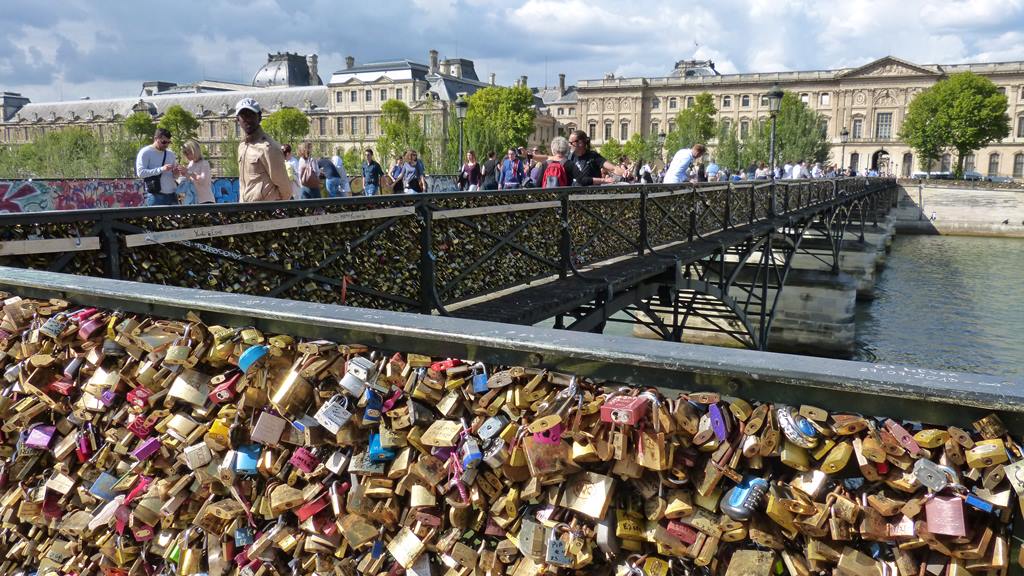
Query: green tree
(68,153)
(139,127)
(640,149)
(287,126)
(118,157)
(183,126)
(612,150)
(228,161)
(964,112)
(353,161)
(499,118)
(799,134)
(728,152)
(695,124)
(754,148)
(400,130)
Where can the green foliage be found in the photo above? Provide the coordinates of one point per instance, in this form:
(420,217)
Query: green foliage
(798,134)
(754,148)
(964,112)
(695,124)
(228,164)
(118,157)
(139,128)
(183,126)
(400,130)
(638,148)
(287,126)
(728,152)
(353,161)
(498,118)
(612,150)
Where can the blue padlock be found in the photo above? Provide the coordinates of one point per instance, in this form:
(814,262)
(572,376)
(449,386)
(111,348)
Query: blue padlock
(470,453)
(479,378)
(102,487)
(243,536)
(378,453)
(246,459)
(374,403)
(979,504)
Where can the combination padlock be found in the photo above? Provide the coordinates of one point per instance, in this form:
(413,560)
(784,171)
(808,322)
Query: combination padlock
(745,498)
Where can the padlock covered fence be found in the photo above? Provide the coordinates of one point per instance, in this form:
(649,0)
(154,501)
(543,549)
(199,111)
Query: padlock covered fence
(870,469)
(411,252)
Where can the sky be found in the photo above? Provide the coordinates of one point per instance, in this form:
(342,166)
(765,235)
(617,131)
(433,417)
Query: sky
(69,49)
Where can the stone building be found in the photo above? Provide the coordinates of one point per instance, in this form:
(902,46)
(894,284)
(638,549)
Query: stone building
(870,101)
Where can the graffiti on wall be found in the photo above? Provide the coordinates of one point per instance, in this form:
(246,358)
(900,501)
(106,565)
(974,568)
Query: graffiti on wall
(36,195)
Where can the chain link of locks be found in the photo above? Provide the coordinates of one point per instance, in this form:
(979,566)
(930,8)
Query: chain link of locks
(135,445)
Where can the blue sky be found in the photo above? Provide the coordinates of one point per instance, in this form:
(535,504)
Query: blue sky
(51,49)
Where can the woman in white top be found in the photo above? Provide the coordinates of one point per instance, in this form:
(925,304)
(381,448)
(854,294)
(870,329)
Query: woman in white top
(198,172)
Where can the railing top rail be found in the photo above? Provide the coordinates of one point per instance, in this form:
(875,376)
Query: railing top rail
(898,391)
(382,201)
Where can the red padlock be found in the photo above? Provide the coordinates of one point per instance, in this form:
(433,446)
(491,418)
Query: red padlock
(626,410)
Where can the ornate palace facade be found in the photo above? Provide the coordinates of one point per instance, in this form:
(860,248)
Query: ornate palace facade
(870,101)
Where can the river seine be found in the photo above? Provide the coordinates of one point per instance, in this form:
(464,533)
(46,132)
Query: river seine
(948,302)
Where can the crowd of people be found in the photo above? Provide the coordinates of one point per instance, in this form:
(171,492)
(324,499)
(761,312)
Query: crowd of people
(268,171)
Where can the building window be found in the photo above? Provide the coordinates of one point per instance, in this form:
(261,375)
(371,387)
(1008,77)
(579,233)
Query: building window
(945,162)
(352,96)
(823,127)
(337,97)
(1020,127)
(689,101)
(607,131)
(824,98)
(369,125)
(339,125)
(655,128)
(854,161)
(969,162)
(858,129)
(671,126)
(744,129)
(908,164)
(745,101)
(993,164)
(764,100)
(213,130)
(1002,90)
(398,93)
(883,125)
(322,125)
(369,96)
(655,103)
(592,130)
(672,104)
(624,131)
(805,98)
(354,125)
(383,94)
(726,102)
(572,111)
(1018,165)
(561,111)
(238,131)
(726,125)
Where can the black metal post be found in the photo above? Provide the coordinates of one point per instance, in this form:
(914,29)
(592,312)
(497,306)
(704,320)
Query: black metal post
(461,153)
(427,259)
(111,249)
(643,224)
(564,237)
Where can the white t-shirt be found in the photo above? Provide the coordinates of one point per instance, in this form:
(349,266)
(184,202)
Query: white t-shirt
(150,162)
(676,172)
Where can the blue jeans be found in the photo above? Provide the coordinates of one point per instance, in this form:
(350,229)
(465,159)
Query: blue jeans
(161,199)
(310,193)
(371,190)
(334,188)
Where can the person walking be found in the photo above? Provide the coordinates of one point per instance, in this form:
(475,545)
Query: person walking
(372,173)
(512,172)
(291,164)
(157,166)
(490,172)
(681,161)
(262,175)
(412,177)
(198,172)
(309,172)
(344,188)
(469,175)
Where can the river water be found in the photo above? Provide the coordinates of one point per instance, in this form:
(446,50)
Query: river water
(948,302)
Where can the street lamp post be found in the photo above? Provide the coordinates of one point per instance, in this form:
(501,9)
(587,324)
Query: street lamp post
(661,145)
(461,107)
(844,137)
(774,103)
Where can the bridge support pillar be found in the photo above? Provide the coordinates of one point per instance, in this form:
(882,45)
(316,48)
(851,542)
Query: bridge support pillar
(815,314)
(856,258)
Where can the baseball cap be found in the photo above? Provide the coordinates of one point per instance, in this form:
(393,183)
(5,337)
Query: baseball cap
(248,104)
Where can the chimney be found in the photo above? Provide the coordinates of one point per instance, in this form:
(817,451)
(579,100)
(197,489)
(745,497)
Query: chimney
(493,79)
(522,80)
(561,83)
(350,62)
(446,68)
(433,62)
(314,78)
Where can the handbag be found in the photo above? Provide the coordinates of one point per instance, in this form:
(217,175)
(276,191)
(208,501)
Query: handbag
(153,182)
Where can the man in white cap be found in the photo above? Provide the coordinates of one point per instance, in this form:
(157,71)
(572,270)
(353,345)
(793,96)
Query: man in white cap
(262,175)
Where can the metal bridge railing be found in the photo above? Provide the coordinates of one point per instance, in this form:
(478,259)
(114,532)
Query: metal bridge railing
(404,252)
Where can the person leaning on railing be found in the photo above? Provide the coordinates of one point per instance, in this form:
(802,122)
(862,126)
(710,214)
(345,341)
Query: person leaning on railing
(584,165)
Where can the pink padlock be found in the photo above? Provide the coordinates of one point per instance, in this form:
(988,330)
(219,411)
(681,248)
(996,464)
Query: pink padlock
(304,460)
(39,437)
(552,435)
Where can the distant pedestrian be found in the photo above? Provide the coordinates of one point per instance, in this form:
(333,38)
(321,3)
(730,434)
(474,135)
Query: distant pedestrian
(198,172)
(333,187)
(681,162)
(512,172)
(490,172)
(470,175)
(262,175)
(585,165)
(344,188)
(157,166)
(412,176)
(291,164)
(554,173)
(372,173)
(309,172)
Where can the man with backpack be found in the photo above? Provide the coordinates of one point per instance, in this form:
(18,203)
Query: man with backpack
(490,172)
(552,170)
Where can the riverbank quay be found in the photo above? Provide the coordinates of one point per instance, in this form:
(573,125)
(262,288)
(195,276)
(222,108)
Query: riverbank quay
(959,208)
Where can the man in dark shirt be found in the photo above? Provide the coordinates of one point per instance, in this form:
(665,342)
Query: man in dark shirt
(371,174)
(584,165)
(490,172)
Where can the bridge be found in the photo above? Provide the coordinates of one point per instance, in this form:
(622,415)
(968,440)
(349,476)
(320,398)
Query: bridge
(670,258)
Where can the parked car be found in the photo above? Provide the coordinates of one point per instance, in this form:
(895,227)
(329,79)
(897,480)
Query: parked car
(1000,179)
(973,175)
(933,175)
